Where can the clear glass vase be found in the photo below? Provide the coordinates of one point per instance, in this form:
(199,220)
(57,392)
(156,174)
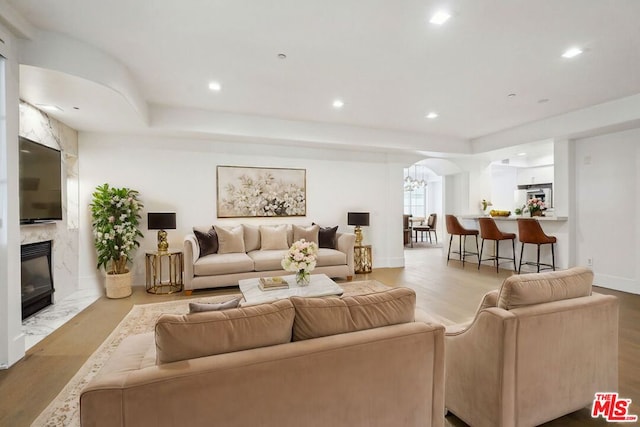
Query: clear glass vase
(303,278)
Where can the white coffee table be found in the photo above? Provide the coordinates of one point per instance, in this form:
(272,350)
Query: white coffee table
(319,286)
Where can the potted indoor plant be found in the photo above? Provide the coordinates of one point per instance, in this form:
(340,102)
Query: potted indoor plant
(115,216)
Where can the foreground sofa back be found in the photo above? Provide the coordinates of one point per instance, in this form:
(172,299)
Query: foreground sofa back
(388,376)
(351,361)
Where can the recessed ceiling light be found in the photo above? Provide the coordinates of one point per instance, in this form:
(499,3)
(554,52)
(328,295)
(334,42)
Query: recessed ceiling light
(48,107)
(431,115)
(570,53)
(522,154)
(440,17)
(215,86)
(338,103)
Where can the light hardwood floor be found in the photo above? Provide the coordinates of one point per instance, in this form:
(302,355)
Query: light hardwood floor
(451,292)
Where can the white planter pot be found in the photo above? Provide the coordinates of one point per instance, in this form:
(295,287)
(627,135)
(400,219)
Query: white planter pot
(118,285)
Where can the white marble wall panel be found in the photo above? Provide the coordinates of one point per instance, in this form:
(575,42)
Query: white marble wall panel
(39,127)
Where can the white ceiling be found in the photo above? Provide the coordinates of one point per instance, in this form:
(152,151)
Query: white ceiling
(382,57)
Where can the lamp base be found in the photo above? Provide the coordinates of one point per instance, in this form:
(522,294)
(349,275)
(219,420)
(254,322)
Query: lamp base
(358,233)
(163,245)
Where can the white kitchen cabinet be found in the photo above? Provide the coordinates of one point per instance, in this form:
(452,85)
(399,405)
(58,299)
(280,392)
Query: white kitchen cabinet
(535,175)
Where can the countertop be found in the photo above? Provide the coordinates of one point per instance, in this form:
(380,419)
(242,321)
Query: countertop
(515,217)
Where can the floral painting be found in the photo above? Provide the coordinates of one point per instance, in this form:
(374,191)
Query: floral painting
(257,192)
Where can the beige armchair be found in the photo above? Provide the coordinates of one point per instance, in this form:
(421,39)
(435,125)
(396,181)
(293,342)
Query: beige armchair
(538,348)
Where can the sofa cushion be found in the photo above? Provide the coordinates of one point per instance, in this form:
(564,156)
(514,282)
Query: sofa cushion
(200,307)
(188,336)
(251,237)
(310,234)
(267,260)
(207,241)
(273,237)
(212,265)
(537,288)
(327,237)
(230,240)
(330,257)
(319,317)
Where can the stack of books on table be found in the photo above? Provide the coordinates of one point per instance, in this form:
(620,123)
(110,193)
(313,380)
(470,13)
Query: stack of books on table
(272,283)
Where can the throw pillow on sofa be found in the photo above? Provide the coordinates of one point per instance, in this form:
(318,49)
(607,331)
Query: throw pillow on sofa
(251,237)
(201,307)
(327,237)
(207,241)
(230,240)
(188,336)
(319,317)
(309,234)
(273,237)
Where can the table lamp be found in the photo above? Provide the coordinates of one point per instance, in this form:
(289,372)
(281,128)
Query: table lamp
(161,221)
(358,219)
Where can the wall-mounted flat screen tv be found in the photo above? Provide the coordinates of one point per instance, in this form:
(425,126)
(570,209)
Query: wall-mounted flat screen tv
(40,182)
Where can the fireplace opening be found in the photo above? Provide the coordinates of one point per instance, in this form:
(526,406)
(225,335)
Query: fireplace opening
(36,277)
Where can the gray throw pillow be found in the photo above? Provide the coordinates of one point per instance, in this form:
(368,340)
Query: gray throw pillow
(200,307)
(327,237)
(207,241)
(230,240)
(310,234)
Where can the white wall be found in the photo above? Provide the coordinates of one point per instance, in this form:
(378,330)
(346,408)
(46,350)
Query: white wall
(607,206)
(434,202)
(503,187)
(11,337)
(180,175)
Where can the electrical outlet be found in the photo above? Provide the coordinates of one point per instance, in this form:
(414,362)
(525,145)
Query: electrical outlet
(590,262)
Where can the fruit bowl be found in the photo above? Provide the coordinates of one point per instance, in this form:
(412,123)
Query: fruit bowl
(499,213)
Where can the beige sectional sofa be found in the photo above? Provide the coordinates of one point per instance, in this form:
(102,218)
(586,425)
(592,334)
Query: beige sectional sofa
(220,256)
(350,361)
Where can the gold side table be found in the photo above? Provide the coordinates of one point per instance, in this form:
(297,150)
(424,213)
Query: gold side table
(158,263)
(362,258)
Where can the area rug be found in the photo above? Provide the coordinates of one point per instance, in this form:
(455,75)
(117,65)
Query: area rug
(64,409)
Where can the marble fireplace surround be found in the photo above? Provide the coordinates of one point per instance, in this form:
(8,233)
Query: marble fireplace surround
(39,127)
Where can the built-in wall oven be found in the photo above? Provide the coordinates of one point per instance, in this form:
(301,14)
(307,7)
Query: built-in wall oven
(543,192)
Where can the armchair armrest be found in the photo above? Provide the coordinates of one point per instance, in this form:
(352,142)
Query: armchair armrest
(482,354)
(191,255)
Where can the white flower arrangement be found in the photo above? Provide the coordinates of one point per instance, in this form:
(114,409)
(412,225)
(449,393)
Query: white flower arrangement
(534,205)
(115,217)
(301,257)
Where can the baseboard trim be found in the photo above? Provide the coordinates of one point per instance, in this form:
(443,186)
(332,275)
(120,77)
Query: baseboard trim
(617,283)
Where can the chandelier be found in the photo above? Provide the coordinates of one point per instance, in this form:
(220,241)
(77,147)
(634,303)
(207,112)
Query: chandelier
(412,183)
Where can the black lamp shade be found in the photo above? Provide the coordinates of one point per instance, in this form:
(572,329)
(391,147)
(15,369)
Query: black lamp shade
(358,218)
(161,221)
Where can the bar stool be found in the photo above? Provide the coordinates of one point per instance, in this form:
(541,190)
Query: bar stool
(530,231)
(454,228)
(489,231)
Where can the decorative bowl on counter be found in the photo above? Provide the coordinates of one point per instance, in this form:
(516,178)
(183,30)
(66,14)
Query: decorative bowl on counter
(494,212)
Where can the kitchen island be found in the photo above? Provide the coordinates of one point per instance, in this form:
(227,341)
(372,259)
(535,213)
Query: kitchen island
(557,226)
